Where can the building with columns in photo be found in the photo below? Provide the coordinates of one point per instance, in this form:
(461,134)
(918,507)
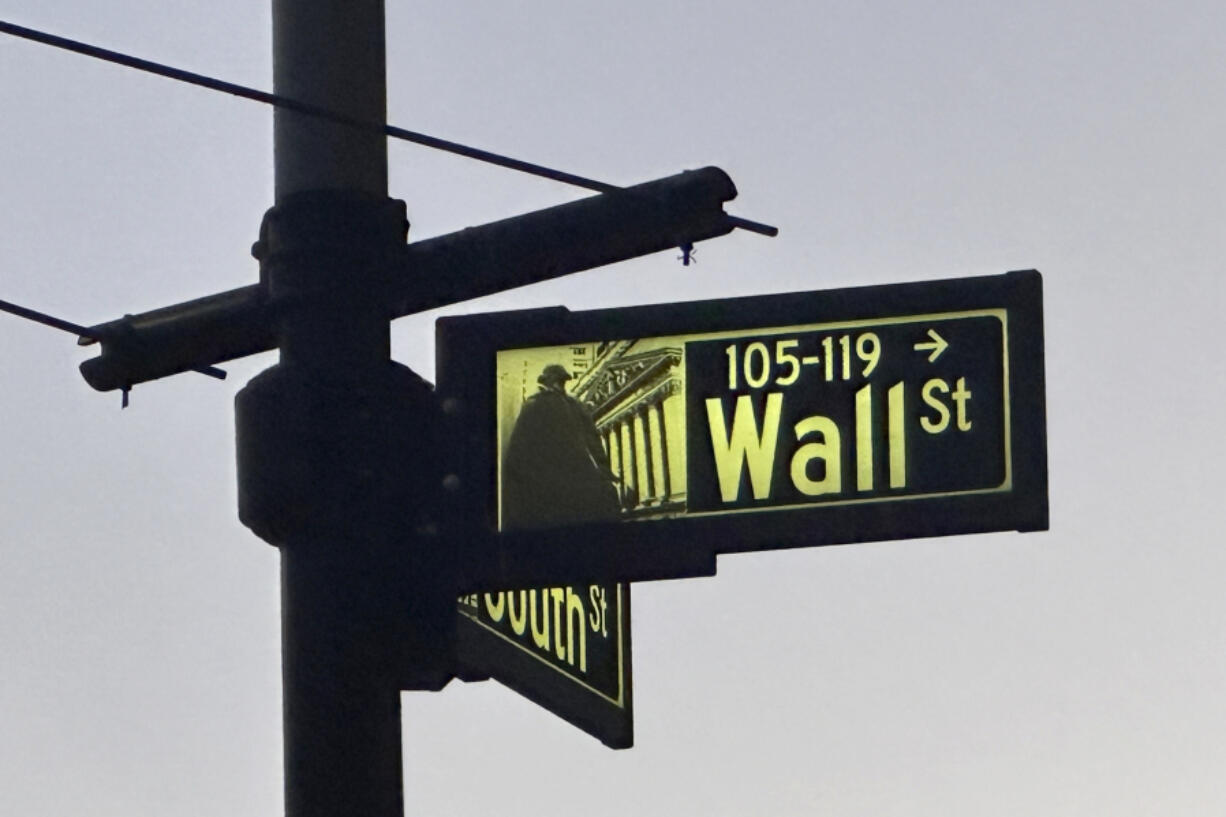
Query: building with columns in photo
(635,390)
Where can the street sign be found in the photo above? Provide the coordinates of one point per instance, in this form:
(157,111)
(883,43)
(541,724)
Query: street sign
(567,648)
(638,443)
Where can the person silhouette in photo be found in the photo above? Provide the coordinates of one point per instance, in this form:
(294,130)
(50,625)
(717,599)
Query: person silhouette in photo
(556,470)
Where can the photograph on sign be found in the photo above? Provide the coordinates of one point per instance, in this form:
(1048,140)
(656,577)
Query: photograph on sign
(773,418)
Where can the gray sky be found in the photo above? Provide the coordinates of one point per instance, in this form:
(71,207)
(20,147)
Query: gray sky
(1073,672)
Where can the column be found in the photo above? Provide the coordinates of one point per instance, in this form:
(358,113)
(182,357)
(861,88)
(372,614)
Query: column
(642,456)
(629,472)
(672,411)
(659,447)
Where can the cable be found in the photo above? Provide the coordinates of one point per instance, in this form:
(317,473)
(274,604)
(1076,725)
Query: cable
(180,75)
(297,106)
(82,331)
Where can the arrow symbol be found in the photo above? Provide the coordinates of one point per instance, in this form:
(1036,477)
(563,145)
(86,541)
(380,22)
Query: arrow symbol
(938,344)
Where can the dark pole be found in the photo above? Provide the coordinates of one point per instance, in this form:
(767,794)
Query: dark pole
(331,54)
(337,460)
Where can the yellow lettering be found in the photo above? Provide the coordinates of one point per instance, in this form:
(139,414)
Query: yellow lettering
(604,612)
(540,634)
(574,624)
(519,623)
(961,396)
(495,611)
(864,439)
(898,438)
(559,598)
(744,446)
(827,450)
(594,616)
(942,419)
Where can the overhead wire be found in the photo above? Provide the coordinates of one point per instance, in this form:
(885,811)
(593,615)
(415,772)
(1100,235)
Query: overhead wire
(83,331)
(306,108)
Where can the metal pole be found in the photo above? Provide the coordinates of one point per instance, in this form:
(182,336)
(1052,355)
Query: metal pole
(337,454)
(329,53)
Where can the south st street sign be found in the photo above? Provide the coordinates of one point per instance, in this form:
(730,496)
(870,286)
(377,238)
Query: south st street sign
(871,413)
(566,648)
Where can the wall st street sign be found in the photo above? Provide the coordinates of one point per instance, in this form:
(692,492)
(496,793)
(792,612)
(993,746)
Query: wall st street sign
(823,414)
(639,443)
(627,444)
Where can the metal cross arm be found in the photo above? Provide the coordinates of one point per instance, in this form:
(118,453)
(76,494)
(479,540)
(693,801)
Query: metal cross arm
(184,337)
(591,232)
(585,234)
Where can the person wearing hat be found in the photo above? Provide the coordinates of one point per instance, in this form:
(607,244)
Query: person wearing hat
(556,471)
